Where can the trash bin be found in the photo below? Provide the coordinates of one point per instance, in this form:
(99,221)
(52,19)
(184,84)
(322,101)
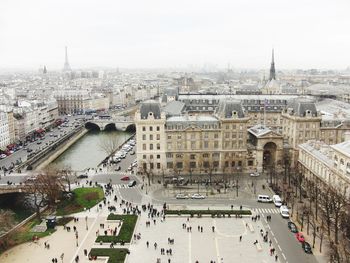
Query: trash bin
(51,222)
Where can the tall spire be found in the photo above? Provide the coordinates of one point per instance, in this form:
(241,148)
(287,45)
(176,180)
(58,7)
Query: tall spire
(66,66)
(272,68)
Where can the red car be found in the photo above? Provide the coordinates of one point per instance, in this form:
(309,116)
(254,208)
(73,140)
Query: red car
(300,237)
(125,178)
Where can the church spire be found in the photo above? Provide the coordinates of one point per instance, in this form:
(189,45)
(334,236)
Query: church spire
(272,68)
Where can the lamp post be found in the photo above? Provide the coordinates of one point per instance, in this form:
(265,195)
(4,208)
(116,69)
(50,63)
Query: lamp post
(87,228)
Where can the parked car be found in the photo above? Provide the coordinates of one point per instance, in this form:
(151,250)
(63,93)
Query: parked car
(118,168)
(300,237)
(82,176)
(284,211)
(125,178)
(181,196)
(29,150)
(132,183)
(276,199)
(294,228)
(2,156)
(255,174)
(197,196)
(132,153)
(306,247)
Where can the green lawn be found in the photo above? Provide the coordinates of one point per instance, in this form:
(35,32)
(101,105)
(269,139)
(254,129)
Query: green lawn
(82,198)
(116,255)
(126,231)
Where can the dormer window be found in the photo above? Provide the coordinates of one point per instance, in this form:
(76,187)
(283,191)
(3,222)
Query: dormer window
(234,114)
(150,114)
(308,113)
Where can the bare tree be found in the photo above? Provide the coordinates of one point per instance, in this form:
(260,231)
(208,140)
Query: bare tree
(45,190)
(109,143)
(145,169)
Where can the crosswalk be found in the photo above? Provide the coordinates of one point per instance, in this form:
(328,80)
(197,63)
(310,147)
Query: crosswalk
(267,210)
(122,186)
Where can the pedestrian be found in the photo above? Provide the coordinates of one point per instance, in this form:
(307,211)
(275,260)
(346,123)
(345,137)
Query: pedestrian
(213,228)
(240,238)
(85,252)
(147,244)
(155,245)
(276,257)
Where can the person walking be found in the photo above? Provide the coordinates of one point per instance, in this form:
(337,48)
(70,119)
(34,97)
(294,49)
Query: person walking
(276,257)
(240,238)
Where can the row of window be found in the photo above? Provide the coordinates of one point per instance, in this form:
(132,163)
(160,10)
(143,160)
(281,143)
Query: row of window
(150,128)
(144,146)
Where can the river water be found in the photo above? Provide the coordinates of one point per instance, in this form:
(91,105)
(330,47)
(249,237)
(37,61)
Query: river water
(87,151)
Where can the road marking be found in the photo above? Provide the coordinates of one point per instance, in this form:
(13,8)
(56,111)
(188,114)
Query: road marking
(86,236)
(272,233)
(189,248)
(284,257)
(216,242)
(275,239)
(279,248)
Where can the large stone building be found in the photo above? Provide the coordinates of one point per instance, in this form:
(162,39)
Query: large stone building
(213,134)
(4,130)
(326,165)
(80,101)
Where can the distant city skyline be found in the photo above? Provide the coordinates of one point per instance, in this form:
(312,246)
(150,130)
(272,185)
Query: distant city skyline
(163,34)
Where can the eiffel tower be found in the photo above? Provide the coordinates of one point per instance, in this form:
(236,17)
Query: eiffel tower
(66,66)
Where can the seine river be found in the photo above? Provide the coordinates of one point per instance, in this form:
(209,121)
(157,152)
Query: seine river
(87,151)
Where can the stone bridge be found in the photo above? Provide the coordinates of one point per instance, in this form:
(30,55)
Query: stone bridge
(10,189)
(118,122)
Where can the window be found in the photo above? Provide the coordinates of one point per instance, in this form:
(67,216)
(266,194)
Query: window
(158,165)
(158,137)
(206,164)
(151,146)
(169,165)
(216,163)
(239,163)
(144,165)
(169,137)
(143,128)
(151,137)
(205,155)
(233,164)
(192,156)
(216,144)
(192,164)
(179,165)
(169,155)
(216,135)
(144,156)
(150,128)
(226,164)
(158,156)
(158,146)
(158,128)
(178,155)
(151,156)
(144,137)
(151,166)
(193,145)
(144,147)
(250,163)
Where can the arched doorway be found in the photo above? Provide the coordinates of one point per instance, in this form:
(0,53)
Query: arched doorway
(269,155)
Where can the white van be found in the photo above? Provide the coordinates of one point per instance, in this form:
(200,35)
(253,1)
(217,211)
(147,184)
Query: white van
(276,199)
(264,199)
(284,211)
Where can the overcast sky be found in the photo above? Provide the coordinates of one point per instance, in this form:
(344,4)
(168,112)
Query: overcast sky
(175,33)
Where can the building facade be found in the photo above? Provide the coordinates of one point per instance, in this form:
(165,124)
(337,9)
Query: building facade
(4,130)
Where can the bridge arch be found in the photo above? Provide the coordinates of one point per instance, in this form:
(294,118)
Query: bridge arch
(92,126)
(110,127)
(131,128)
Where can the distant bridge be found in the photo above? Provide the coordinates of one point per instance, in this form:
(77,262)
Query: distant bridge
(117,122)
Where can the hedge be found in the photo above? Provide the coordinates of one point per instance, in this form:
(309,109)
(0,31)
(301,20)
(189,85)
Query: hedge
(208,212)
(115,255)
(126,231)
